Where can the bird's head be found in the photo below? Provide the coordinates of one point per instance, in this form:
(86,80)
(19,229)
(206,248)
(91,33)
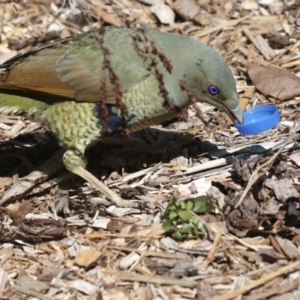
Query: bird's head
(213,83)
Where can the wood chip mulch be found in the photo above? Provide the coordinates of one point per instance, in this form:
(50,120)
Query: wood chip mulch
(57,242)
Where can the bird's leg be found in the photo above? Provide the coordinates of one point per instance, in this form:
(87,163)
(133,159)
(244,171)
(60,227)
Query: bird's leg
(76,162)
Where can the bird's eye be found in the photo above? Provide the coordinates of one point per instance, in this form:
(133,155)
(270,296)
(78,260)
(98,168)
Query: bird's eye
(213,90)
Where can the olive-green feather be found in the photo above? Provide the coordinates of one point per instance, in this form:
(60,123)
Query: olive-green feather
(18,105)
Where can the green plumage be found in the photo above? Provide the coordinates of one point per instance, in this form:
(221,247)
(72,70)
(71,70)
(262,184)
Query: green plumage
(61,84)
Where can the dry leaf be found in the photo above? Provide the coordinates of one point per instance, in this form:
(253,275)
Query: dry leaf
(271,81)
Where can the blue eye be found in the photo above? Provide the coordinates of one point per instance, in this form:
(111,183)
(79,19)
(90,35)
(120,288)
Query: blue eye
(213,90)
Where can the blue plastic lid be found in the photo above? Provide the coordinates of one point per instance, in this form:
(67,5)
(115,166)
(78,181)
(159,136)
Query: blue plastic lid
(259,119)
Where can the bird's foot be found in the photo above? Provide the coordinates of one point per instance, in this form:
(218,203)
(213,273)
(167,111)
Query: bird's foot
(76,164)
(111,195)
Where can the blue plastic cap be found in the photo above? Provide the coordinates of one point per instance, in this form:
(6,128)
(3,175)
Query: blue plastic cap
(259,119)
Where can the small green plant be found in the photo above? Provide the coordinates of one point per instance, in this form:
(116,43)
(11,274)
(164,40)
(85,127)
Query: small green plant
(181,218)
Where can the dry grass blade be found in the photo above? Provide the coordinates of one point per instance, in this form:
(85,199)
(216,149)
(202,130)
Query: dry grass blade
(213,250)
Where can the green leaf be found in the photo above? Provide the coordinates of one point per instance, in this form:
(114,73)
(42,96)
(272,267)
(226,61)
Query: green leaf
(167,226)
(185,228)
(201,227)
(180,220)
(196,231)
(194,220)
(183,205)
(184,215)
(177,235)
(191,236)
(172,206)
(200,207)
(203,198)
(173,215)
(190,205)
(210,207)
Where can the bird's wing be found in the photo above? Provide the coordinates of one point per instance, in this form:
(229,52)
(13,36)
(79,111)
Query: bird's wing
(35,72)
(73,69)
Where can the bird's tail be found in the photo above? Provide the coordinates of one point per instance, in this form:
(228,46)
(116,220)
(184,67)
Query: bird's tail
(14,104)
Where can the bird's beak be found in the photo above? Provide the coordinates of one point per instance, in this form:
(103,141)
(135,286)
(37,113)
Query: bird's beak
(237,114)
